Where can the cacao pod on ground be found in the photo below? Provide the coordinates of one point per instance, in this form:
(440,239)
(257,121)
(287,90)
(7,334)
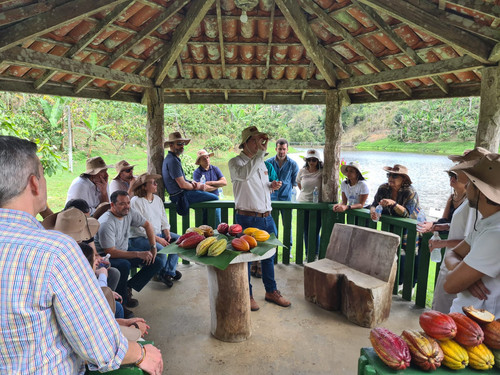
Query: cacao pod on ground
(390,348)
(235,229)
(240,244)
(492,334)
(468,331)
(251,241)
(437,325)
(202,247)
(223,228)
(425,352)
(480,357)
(455,356)
(217,248)
(191,242)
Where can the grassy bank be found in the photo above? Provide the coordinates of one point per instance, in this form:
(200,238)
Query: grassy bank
(445,148)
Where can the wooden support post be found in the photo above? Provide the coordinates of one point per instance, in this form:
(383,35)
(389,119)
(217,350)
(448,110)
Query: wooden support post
(488,129)
(154,133)
(333,133)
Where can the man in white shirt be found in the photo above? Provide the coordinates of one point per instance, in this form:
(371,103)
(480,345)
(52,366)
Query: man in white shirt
(124,178)
(252,197)
(475,263)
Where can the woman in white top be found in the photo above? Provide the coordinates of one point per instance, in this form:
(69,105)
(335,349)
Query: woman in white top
(149,205)
(354,188)
(309,178)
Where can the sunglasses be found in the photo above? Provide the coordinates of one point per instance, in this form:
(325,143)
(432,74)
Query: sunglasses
(153,182)
(393,175)
(180,144)
(128,170)
(312,159)
(452,175)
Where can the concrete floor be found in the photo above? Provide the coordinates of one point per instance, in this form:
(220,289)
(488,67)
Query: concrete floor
(301,339)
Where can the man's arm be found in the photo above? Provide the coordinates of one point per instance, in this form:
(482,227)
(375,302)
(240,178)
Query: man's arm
(462,278)
(150,233)
(241,171)
(183,184)
(454,257)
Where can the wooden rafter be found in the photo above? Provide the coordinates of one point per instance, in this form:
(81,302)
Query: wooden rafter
(434,26)
(51,20)
(181,35)
(398,41)
(338,29)
(221,38)
(270,38)
(244,85)
(481,7)
(298,21)
(19,14)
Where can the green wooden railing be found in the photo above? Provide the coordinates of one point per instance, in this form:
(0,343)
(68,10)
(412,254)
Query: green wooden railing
(294,213)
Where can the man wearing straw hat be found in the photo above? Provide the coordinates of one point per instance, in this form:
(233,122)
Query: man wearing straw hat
(46,325)
(474,264)
(124,177)
(91,185)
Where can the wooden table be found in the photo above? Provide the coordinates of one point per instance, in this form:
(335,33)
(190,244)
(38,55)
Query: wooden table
(230,298)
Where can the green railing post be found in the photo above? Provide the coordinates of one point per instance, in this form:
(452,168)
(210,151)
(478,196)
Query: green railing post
(286,214)
(299,237)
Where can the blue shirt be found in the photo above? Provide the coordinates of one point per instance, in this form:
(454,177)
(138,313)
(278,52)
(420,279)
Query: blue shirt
(213,174)
(53,315)
(172,169)
(287,174)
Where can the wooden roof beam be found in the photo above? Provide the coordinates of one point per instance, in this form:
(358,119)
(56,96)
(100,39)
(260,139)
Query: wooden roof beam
(270,38)
(182,34)
(221,38)
(438,28)
(480,7)
(298,21)
(245,85)
(51,20)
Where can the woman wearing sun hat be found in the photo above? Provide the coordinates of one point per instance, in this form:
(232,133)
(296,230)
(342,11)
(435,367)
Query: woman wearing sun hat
(354,188)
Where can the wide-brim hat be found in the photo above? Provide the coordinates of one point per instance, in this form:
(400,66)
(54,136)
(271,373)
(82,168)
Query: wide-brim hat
(121,165)
(249,132)
(352,164)
(484,174)
(143,178)
(95,165)
(311,153)
(175,137)
(201,153)
(469,155)
(72,222)
(398,169)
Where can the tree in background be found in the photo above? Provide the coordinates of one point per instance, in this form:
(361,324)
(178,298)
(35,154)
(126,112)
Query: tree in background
(94,129)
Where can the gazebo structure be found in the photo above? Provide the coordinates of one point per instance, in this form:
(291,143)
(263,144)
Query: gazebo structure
(331,52)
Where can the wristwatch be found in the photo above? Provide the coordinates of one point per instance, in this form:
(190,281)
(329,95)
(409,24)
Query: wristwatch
(152,247)
(348,206)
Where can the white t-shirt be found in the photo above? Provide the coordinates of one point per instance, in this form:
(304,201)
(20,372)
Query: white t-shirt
(308,181)
(353,192)
(83,188)
(153,212)
(484,256)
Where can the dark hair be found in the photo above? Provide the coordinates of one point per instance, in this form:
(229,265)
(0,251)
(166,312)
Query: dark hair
(406,181)
(141,191)
(116,194)
(88,252)
(281,141)
(359,176)
(320,164)
(81,204)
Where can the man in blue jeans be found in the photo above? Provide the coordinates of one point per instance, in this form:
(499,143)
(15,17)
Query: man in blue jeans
(252,197)
(182,191)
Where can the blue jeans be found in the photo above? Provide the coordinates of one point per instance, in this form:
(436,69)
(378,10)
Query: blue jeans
(119,313)
(267,224)
(197,196)
(170,261)
(306,228)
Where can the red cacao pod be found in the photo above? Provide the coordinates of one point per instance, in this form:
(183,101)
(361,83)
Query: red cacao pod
(251,241)
(192,241)
(492,335)
(425,351)
(438,325)
(222,228)
(184,236)
(390,348)
(240,244)
(469,333)
(235,229)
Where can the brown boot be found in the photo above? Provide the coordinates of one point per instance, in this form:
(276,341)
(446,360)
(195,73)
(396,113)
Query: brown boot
(253,304)
(277,298)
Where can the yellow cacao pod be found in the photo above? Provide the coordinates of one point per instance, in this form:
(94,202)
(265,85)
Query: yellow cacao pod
(250,230)
(202,247)
(455,356)
(260,235)
(480,357)
(196,230)
(217,248)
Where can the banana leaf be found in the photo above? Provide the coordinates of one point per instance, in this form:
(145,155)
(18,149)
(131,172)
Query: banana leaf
(223,260)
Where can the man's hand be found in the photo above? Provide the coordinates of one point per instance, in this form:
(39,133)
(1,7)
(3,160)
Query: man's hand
(101,271)
(104,261)
(479,290)
(101,183)
(117,297)
(262,142)
(339,207)
(163,242)
(146,256)
(152,363)
(275,185)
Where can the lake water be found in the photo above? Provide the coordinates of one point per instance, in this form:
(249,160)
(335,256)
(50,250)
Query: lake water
(426,171)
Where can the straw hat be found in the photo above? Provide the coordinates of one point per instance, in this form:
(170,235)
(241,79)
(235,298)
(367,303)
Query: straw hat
(143,178)
(398,169)
(95,165)
(484,174)
(201,153)
(121,165)
(72,222)
(311,153)
(249,132)
(352,164)
(175,137)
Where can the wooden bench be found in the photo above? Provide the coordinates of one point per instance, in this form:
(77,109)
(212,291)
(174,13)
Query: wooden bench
(356,276)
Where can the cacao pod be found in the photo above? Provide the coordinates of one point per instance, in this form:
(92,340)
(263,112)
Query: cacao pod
(251,241)
(195,229)
(455,356)
(438,325)
(496,356)
(240,244)
(425,351)
(260,235)
(202,247)
(480,316)
(480,357)
(390,348)
(184,236)
(492,334)
(192,242)
(207,230)
(468,331)
(250,230)
(235,229)
(217,247)
(223,228)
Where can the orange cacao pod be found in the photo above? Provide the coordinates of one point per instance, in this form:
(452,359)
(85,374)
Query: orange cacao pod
(251,241)
(260,235)
(390,348)
(240,244)
(492,334)
(192,241)
(438,325)
(425,351)
(235,229)
(468,331)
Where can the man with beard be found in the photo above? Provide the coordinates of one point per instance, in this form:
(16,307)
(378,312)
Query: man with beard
(124,178)
(182,191)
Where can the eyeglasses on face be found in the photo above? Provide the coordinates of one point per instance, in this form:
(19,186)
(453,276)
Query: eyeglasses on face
(180,143)
(393,175)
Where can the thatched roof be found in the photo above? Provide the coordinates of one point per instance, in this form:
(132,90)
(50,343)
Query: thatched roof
(288,52)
